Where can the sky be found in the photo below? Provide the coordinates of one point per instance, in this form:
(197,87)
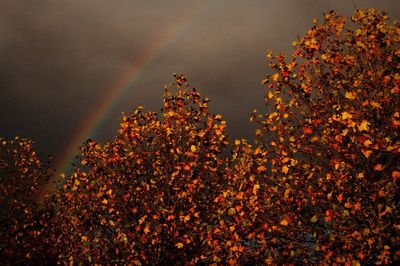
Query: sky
(69,68)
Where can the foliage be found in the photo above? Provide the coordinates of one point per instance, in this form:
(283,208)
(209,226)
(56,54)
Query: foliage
(22,176)
(332,142)
(147,196)
(320,185)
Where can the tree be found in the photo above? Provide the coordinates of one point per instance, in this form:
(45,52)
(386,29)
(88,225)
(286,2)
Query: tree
(22,176)
(319,186)
(147,196)
(332,143)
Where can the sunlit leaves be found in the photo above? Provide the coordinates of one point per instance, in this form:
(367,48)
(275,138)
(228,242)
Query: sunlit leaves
(23,183)
(150,187)
(319,185)
(333,108)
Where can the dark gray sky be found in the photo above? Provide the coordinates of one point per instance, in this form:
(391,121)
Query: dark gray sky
(59,57)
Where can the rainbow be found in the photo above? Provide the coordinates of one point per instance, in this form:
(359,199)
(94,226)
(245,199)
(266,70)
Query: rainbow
(123,84)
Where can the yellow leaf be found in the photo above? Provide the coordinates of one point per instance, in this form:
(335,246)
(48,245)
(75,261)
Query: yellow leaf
(231,211)
(270,95)
(287,192)
(284,222)
(256,188)
(360,175)
(187,218)
(285,169)
(179,245)
(366,153)
(275,76)
(376,105)
(264,81)
(192,148)
(356,83)
(314,219)
(346,115)
(363,126)
(84,238)
(104,201)
(237,142)
(350,95)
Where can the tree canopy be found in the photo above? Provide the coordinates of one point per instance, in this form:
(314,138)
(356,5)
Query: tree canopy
(319,185)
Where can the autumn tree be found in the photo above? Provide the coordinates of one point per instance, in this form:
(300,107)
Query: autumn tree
(147,196)
(331,138)
(241,236)
(22,176)
(319,186)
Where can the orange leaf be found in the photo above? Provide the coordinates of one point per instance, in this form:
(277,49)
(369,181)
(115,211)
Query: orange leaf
(307,130)
(240,195)
(284,222)
(357,206)
(350,95)
(340,197)
(395,175)
(146,229)
(261,168)
(179,245)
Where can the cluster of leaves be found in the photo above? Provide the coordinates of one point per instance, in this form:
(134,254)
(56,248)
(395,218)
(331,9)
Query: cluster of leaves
(332,141)
(148,195)
(22,175)
(319,185)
